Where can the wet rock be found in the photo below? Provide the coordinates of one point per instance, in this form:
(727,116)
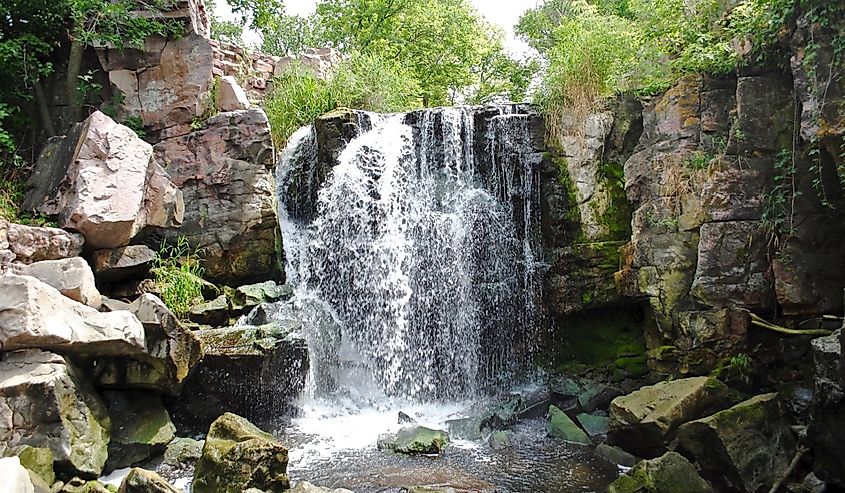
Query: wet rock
(214,313)
(183,450)
(743,448)
(141,427)
(72,277)
(231,96)
(95,180)
(404,419)
(306,487)
(171,352)
(415,440)
(616,455)
(597,396)
(237,455)
(120,264)
(15,477)
(36,315)
(827,410)
(594,425)
(253,295)
(254,371)
(561,426)
(225,174)
(564,392)
(643,421)
(499,440)
(485,417)
(143,481)
(670,473)
(52,408)
(33,244)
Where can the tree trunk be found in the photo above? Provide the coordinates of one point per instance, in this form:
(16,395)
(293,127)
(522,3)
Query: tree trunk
(44,110)
(74,66)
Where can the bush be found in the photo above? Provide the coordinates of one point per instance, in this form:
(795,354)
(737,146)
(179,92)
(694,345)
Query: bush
(361,82)
(178,274)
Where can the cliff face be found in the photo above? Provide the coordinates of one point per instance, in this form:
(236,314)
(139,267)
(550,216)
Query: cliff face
(735,190)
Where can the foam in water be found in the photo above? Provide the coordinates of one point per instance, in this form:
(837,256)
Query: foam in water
(420,243)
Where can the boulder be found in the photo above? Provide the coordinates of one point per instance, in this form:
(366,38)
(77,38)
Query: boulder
(78,485)
(643,421)
(594,425)
(32,244)
(743,448)
(171,352)
(71,276)
(225,174)
(254,371)
(414,440)
(485,417)
(230,95)
(182,451)
(95,180)
(15,477)
(561,426)
(214,313)
(237,455)
(36,315)
(670,473)
(141,427)
(44,403)
(306,487)
(143,481)
(119,264)
(616,455)
(252,295)
(38,461)
(827,410)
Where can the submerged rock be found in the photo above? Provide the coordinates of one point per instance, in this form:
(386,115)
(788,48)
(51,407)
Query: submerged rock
(616,455)
(36,315)
(499,440)
(561,426)
(743,448)
(141,427)
(670,473)
(143,481)
(256,372)
(643,421)
(415,440)
(44,403)
(237,455)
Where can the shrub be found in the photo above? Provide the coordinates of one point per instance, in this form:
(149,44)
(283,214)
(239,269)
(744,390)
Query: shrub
(178,274)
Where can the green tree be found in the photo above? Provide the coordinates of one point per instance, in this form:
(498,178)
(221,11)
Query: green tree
(290,35)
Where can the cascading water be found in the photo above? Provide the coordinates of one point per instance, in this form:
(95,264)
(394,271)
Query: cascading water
(421,241)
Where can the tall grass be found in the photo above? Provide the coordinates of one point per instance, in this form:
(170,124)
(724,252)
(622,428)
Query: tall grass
(178,274)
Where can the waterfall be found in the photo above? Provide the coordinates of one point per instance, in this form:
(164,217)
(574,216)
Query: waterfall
(420,238)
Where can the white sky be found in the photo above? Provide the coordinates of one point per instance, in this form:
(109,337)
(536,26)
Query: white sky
(504,13)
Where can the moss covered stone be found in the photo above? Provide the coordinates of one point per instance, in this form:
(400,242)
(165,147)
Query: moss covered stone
(415,440)
(141,427)
(39,461)
(561,426)
(670,473)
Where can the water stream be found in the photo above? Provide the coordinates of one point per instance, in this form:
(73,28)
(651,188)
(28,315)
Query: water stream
(412,249)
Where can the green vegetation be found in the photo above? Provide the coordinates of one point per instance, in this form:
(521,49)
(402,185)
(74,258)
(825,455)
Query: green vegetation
(778,221)
(178,274)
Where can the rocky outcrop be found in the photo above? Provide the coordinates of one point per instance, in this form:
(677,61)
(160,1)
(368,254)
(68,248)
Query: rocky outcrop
(414,440)
(238,456)
(171,352)
(28,244)
(670,473)
(225,174)
(743,448)
(36,315)
(72,277)
(101,180)
(45,403)
(644,421)
(256,372)
(827,409)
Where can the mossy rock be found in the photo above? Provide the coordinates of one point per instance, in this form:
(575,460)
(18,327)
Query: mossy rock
(414,440)
(38,461)
(143,481)
(670,473)
(561,426)
(237,456)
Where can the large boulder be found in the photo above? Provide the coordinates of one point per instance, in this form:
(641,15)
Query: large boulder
(141,427)
(827,409)
(143,481)
(643,421)
(254,371)
(36,315)
(171,352)
(32,244)
(237,456)
(415,440)
(96,180)
(743,448)
(15,477)
(71,276)
(118,264)
(670,473)
(44,403)
(225,174)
